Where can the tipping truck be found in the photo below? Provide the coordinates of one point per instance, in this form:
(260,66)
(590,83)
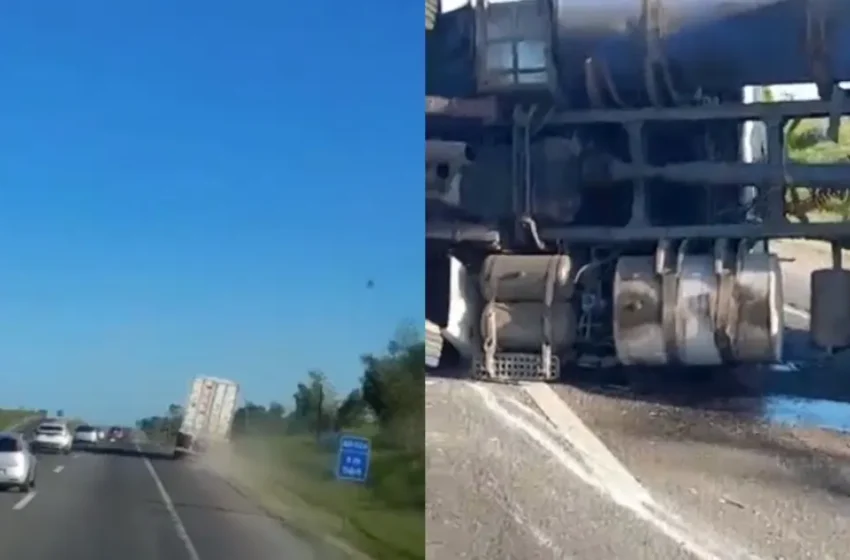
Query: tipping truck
(207,416)
(603,180)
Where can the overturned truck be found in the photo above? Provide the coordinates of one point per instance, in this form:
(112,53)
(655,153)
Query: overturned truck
(602,181)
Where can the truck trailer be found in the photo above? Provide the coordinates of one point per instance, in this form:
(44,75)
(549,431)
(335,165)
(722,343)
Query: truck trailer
(596,196)
(207,416)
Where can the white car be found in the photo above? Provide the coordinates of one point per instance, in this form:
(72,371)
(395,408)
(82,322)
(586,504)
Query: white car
(53,437)
(85,435)
(17,463)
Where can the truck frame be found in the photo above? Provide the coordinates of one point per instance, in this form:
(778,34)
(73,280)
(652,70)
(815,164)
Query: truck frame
(600,226)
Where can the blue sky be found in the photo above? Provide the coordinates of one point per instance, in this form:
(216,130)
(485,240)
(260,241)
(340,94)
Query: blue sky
(203,188)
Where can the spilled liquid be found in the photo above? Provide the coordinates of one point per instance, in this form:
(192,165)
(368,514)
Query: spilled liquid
(815,413)
(806,412)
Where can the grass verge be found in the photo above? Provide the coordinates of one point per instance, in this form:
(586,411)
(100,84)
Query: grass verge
(10,418)
(292,477)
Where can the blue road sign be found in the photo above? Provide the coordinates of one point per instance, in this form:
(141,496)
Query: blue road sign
(352,462)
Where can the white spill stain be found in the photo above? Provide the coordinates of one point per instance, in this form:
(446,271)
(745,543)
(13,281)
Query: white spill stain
(599,468)
(59,469)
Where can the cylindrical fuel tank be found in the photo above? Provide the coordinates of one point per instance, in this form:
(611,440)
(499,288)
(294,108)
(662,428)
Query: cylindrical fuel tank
(760,303)
(525,277)
(638,335)
(830,308)
(519,326)
(642,338)
(713,44)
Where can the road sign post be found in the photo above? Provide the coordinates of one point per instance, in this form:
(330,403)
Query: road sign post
(353,458)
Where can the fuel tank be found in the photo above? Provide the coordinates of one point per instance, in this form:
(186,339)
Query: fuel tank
(608,45)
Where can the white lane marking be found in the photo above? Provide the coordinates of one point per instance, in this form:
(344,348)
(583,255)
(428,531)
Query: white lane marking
(172,511)
(59,469)
(597,467)
(801,313)
(22,503)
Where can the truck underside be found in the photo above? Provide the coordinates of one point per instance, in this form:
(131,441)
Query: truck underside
(627,227)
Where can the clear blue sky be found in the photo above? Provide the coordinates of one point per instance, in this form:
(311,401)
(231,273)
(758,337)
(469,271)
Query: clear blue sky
(206,187)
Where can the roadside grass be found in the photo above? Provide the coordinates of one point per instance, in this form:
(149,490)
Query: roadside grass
(9,418)
(293,477)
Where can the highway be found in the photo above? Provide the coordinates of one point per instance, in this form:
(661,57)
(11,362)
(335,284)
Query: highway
(126,506)
(652,468)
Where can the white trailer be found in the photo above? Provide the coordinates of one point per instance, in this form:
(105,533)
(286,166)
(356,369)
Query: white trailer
(208,414)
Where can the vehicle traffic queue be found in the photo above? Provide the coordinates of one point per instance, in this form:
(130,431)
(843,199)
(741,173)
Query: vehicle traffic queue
(18,452)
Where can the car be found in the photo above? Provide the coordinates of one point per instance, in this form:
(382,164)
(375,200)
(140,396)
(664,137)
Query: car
(85,435)
(53,436)
(115,433)
(17,463)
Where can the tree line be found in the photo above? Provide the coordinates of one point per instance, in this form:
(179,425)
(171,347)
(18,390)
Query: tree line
(389,398)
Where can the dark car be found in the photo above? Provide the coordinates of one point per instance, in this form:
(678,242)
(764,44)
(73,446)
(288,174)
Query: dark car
(115,433)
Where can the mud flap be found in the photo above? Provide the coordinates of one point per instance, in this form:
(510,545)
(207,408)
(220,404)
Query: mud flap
(463,311)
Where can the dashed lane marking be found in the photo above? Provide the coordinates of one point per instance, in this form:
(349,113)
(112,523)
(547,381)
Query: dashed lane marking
(23,502)
(59,469)
(182,534)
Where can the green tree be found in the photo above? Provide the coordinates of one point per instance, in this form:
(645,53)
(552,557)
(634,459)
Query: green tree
(276,410)
(393,386)
(315,405)
(351,411)
(806,141)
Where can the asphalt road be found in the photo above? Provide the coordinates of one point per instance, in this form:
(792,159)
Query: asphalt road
(89,506)
(647,468)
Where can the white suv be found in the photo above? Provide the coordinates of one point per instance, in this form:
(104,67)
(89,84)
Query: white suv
(53,437)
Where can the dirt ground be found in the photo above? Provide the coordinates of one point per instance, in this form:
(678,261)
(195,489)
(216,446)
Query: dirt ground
(807,254)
